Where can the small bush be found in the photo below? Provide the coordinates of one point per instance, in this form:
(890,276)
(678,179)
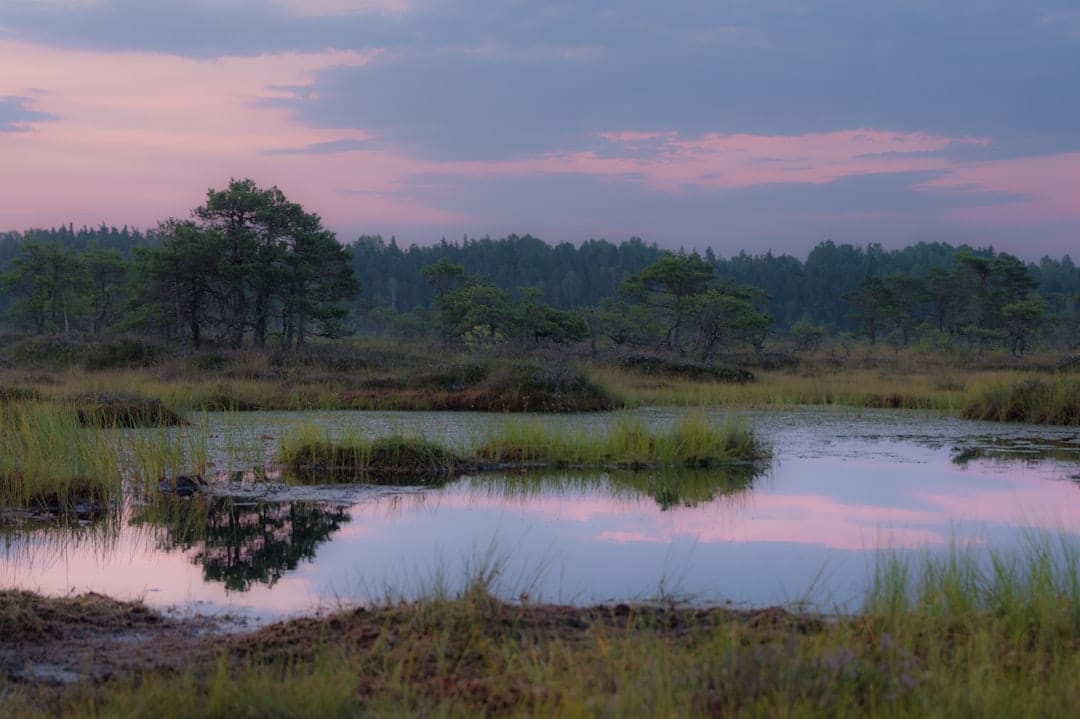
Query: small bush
(694,371)
(122,354)
(209,362)
(53,351)
(454,378)
(327,357)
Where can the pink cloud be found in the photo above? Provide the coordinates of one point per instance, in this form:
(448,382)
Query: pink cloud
(1048,187)
(725,161)
(140,136)
(345,7)
(808,519)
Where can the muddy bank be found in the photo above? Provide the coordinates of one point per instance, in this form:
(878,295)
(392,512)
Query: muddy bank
(54,641)
(47,643)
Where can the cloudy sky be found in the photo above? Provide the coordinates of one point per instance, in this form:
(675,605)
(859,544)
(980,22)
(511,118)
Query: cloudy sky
(735,124)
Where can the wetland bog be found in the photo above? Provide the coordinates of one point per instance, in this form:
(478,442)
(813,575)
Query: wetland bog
(882,562)
(804,529)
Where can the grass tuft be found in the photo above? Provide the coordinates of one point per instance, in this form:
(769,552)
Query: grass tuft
(1035,400)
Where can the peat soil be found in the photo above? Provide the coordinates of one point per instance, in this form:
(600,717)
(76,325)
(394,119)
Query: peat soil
(57,641)
(50,644)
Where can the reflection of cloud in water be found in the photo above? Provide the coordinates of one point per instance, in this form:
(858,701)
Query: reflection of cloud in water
(746,518)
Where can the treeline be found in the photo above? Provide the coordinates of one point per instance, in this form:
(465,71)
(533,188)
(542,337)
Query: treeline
(814,290)
(566,276)
(250,266)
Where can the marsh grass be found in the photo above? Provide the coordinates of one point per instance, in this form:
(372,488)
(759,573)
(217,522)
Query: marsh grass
(874,388)
(1035,399)
(50,462)
(312,456)
(381,376)
(693,443)
(967,634)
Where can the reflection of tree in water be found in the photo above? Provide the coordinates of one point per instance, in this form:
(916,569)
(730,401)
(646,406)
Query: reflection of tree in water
(241,544)
(687,488)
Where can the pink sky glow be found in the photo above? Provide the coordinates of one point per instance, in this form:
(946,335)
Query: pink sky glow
(138,137)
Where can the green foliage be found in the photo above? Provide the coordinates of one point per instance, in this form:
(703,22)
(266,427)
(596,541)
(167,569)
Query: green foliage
(251,261)
(807,336)
(681,295)
(673,287)
(48,281)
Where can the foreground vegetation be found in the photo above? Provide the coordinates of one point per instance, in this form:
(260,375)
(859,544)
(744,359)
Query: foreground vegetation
(952,636)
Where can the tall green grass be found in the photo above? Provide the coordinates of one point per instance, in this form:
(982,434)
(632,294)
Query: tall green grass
(49,461)
(52,461)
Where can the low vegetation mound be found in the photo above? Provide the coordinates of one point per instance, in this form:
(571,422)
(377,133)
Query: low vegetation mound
(387,460)
(1038,401)
(58,351)
(493,386)
(692,444)
(683,369)
(29,617)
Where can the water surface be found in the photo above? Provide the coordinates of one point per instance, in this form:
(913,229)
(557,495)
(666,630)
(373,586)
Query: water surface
(843,486)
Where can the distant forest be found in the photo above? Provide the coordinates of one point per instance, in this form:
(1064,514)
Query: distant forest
(976,297)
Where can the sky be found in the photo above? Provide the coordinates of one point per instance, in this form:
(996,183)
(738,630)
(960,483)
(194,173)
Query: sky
(741,125)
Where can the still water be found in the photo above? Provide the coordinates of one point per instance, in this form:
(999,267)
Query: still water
(843,486)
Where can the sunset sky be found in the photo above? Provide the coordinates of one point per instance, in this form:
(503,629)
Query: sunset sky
(737,124)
